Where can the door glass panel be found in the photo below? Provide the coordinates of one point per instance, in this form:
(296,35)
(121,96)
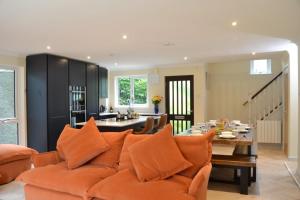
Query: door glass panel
(179,98)
(8,133)
(175,98)
(8,122)
(171,97)
(188,86)
(184,97)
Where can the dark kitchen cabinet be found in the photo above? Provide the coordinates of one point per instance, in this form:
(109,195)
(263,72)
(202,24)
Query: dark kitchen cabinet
(77,73)
(47,100)
(48,78)
(92,82)
(103,82)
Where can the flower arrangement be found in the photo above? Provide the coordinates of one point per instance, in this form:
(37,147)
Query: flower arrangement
(156,99)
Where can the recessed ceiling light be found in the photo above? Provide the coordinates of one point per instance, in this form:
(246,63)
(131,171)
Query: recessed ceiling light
(253,53)
(185,58)
(116,64)
(124,37)
(48,47)
(88,57)
(234,23)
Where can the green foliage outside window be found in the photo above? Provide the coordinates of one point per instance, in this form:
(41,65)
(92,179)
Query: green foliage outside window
(134,88)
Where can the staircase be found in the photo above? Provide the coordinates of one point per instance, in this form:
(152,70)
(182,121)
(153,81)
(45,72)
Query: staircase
(265,106)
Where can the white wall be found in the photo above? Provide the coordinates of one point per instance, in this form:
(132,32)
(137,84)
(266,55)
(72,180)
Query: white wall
(18,63)
(159,88)
(230,84)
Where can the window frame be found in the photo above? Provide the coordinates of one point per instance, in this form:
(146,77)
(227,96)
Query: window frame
(269,67)
(132,78)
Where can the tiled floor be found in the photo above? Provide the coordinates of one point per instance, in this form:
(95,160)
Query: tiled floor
(273,183)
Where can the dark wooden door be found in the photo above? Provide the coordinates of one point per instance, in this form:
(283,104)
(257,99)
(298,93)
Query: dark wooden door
(77,73)
(103,90)
(58,98)
(92,82)
(180,101)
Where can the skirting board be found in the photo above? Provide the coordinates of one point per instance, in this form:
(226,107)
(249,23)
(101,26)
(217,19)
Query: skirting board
(293,175)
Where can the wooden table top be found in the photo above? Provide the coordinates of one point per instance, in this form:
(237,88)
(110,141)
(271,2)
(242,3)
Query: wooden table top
(241,139)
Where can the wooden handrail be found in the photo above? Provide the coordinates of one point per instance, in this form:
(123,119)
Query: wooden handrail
(265,86)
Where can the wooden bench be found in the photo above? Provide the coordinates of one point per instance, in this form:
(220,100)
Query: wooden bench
(242,162)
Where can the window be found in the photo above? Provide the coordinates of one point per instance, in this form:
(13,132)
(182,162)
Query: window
(8,121)
(262,66)
(132,89)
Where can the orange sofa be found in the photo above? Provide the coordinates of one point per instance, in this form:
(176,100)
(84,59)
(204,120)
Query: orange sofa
(14,160)
(51,179)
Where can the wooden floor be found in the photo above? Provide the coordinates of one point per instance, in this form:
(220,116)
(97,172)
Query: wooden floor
(273,182)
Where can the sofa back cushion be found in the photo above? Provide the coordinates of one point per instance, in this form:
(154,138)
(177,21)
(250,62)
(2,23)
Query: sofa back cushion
(84,146)
(67,134)
(111,157)
(157,157)
(197,150)
(125,160)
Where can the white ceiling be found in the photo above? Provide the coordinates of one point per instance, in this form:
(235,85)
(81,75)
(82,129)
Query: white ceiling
(199,29)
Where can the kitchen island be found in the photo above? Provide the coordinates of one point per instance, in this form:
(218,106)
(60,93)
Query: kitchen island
(113,124)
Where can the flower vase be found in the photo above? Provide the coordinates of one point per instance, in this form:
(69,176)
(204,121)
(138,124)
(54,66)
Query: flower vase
(156,108)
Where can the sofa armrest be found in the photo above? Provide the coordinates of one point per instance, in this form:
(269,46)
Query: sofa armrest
(47,158)
(198,187)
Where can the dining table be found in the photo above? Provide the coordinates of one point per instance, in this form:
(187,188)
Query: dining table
(227,146)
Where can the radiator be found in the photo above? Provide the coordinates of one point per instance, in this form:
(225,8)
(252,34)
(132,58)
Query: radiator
(269,131)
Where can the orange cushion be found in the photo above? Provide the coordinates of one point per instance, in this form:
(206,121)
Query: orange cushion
(84,146)
(125,161)
(12,152)
(197,150)
(60,178)
(67,133)
(124,185)
(111,157)
(157,157)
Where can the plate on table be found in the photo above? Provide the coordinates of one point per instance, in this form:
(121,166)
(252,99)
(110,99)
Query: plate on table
(227,136)
(240,131)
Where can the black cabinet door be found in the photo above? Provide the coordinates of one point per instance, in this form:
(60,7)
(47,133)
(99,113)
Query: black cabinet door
(77,73)
(103,85)
(92,82)
(58,98)
(36,93)
(55,126)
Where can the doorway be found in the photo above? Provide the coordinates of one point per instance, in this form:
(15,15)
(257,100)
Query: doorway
(179,95)
(9,131)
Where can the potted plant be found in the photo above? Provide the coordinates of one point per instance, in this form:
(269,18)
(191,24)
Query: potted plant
(156,100)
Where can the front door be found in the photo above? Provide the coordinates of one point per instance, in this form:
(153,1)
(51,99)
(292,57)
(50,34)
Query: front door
(180,101)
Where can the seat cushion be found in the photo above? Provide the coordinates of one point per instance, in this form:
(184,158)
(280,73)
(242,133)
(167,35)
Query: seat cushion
(197,150)
(60,178)
(125,186)
(84,146)
(111,157)
(12,152)
(160,162)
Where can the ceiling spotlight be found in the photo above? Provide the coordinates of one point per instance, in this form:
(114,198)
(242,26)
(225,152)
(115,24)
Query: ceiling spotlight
(116,64)
(253,53)
(48,47)
(185,58)
(124,37)
(234,23)
(88,57)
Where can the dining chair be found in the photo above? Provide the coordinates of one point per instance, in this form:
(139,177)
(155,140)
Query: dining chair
(162,122)
(148,127)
